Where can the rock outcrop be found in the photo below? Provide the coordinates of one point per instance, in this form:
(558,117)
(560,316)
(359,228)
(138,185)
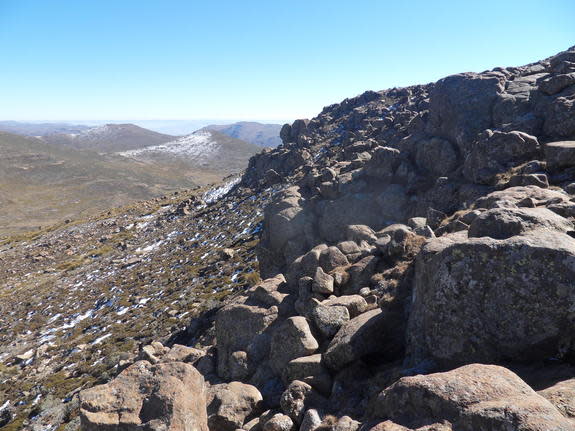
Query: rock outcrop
(419,247)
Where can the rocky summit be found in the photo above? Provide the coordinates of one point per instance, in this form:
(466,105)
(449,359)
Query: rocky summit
(416,252)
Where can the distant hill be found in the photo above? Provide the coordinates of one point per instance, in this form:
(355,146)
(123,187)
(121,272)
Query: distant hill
(204,149)
(40,129)
(264,135)
(42,183)
(109,138)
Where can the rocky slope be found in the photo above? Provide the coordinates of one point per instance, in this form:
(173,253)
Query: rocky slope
(109,138)
(264,135)
(417,254)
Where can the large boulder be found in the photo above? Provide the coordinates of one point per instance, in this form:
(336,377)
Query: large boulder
(291,340)
(168,396)
(474,397)
(502,223)
(230,404)
(239,328)
(496,152)
(560,155)
(372,334)
(488,300)
(461,105)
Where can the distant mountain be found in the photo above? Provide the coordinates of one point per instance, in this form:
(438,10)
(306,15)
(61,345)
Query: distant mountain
(40,129)
(42,183)
(109,138)
(204,149)
(264,135)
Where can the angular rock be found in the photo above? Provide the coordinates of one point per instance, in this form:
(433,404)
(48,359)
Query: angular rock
(562,396)
(496,152)
(291,340)
(309,369)
(322,282)
(370,334)
(169,396)
(331,258)
(237,328)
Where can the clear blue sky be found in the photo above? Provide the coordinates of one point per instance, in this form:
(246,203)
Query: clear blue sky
(273,59)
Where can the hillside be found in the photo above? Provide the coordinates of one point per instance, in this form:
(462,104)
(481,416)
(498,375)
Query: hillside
(205,149)
(109,138)
(41,184)
(40,129)
(264,135)
(403,262)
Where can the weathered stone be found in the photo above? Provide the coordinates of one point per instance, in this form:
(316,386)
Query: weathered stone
(472,397)
(436,156)
(322,282)
(292,339)
(329,319)
(503,223)
(179,353)
(311,420)
(555,84)
(237,327)
(331,258)
(560,155)
(461,105)
(229,404)
(360,233)
(496,152)
(278,422)
(485,300)
(562,396)
(309,369)
(168,396)
(371,333)
(355,304)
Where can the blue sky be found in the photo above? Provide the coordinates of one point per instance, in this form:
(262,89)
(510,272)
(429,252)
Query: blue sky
(267,60)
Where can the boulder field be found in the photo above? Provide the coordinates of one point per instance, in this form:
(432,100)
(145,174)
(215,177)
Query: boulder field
(418,273)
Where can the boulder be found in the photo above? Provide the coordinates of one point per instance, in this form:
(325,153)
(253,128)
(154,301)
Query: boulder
(562,396)
(394,203)
(278,422)
(560,155)
(167,396)
(473,397)
(179,353)
(322,282)
(310,370)
(371,334)
(238,327)
(436,156)
(328,319)
(557,83)
(311,420)
(503,223)
(560,119)
(496,152)
(331,258)
(355,304)
(489,300)
(230,404)
(461,105)
(292,339)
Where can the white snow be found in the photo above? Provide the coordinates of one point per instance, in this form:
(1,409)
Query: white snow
(199,146)
(217,193)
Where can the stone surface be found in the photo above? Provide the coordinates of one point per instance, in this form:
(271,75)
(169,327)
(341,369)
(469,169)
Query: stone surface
(473,397)
(230,404)
(484,300)
(370,333)
(169,396)
(560,155)
(291,340)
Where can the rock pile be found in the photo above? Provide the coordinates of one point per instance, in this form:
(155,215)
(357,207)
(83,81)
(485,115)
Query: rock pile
(418,268)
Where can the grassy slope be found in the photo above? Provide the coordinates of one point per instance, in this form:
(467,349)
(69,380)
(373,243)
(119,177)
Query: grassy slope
(41,184)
